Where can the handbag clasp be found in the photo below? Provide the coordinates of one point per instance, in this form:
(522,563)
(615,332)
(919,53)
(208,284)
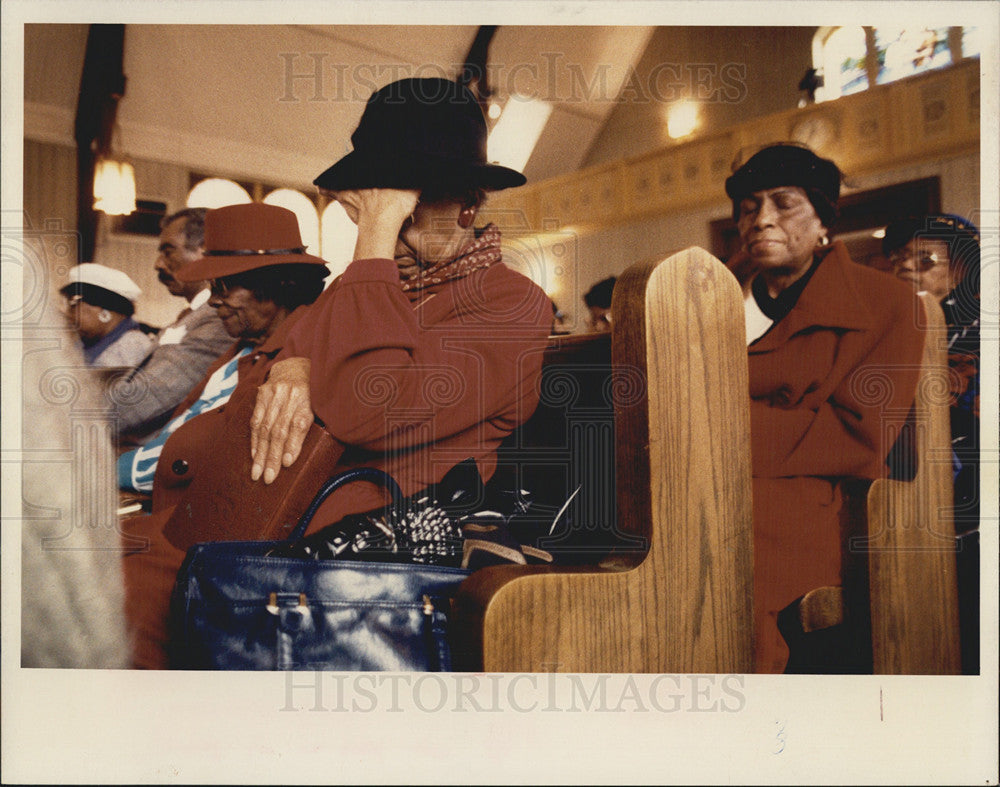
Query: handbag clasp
(273,608)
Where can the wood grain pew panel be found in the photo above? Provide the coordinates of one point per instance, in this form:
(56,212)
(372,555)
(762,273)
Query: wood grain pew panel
(683,484)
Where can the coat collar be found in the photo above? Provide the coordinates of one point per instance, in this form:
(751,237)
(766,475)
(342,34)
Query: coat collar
(276,341)
(831,299)
(93,351)
(200,299)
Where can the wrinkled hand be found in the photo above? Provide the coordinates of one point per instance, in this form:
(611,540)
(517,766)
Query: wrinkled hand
(380,215)
(281,417)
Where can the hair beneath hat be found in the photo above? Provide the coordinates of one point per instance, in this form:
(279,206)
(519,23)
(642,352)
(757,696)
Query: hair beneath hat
(289,285)
(825,208)
(600,294)
(100,297)
(194,226)
(788,164)
(468,196)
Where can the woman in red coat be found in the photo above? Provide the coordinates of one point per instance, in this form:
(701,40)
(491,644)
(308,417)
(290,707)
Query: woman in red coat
(834,353)
(261,282)
(424,353)
(427,350)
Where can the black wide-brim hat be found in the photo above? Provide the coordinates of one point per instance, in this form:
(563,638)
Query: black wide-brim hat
(420,134)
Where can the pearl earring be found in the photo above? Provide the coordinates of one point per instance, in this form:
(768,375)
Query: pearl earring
(104,316)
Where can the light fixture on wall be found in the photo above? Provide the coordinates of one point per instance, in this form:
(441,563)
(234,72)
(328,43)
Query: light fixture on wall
(114,186)
(682,118)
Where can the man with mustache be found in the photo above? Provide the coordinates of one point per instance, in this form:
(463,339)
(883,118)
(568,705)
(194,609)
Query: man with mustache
(185,349)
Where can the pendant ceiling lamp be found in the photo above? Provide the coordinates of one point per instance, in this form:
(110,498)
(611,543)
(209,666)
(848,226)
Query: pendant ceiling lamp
(106,179)
(114,186)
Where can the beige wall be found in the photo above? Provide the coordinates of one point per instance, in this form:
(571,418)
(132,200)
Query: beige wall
(50,222)
(738,72)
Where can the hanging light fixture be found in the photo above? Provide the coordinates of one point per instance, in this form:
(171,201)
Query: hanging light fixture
(114,177)
(114,186)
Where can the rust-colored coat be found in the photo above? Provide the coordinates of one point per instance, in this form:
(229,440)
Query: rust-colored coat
(830,386)
(412,388)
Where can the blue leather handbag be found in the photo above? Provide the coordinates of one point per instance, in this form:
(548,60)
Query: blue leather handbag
(238,606)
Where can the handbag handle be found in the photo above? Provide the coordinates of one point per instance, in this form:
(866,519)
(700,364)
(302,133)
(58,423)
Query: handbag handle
(372,474)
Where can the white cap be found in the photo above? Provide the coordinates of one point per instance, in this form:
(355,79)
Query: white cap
(107,278)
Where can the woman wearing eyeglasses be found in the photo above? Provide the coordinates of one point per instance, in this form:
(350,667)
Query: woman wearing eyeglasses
(420,359)
(254,294)
(940,255)
(260,279)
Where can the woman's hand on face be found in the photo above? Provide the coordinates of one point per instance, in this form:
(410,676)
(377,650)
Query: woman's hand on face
(281,418)
(380,215)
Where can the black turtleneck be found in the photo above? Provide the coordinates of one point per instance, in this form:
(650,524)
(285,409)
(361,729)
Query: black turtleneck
(777,308)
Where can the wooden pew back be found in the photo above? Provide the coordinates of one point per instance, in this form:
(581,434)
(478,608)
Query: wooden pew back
(564,455)
(910,542)
(683,484)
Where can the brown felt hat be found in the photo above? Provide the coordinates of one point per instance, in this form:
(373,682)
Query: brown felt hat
(240,238)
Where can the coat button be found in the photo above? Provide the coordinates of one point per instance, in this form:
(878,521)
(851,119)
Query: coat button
(782,397)
(180,467)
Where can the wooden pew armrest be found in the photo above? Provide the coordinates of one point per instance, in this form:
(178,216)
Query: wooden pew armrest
(472,603)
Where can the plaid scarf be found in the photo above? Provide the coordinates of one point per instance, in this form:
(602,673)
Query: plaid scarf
(482,252)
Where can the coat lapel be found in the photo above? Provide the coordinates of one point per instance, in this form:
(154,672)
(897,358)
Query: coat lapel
(815,307)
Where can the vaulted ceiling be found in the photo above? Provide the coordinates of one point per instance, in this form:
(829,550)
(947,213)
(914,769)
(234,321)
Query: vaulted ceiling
(279,102)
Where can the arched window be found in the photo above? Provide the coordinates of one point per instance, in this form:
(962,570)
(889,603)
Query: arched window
(216,193)
(852,59)
(304,210)
(971,42)
(904,51)
(339,236)
(844,62)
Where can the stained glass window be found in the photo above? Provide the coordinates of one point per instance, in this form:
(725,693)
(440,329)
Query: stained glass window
(904,51)
(847,56)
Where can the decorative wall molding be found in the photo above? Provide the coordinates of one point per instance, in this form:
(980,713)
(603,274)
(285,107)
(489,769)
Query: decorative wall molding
(224,157)
(46,123)
(914,120)
(929,116)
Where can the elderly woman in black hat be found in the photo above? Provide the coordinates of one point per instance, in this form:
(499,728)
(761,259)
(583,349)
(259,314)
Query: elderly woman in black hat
(260,278)
(427,350)
(100,302)
(818,327)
